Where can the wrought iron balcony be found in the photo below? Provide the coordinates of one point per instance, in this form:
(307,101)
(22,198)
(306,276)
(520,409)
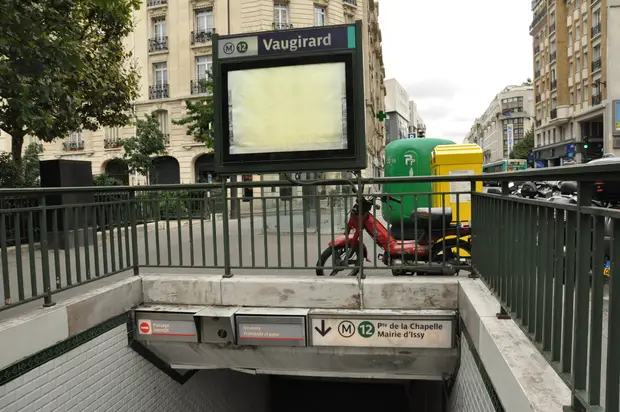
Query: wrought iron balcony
(538,98)
(552,57)
(551,28)
(159,91)
(537,74)
(596,30)
(596,99)
(153,3)
(537,49)
(202,36)
(198,86)
(158,44)
(112,143)
(281,26)
(553,113)
(596,64)
(350,2)
(73,146)
(554,84)
(538,123)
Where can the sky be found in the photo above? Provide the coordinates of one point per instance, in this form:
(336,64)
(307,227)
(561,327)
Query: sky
(454,56)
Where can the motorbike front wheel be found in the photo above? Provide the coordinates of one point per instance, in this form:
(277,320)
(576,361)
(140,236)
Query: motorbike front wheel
(343,257)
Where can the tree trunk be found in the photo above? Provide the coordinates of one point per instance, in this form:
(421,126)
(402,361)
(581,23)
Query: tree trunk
(17,143)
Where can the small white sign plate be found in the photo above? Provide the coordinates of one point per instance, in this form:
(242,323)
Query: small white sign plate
(382,333)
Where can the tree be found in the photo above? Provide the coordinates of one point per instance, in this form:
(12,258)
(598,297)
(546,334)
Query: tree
(63,67)
(149,141)
(199,116)
(25,174)
(524,146)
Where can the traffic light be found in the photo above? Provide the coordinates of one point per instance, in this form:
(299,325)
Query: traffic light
(248,192)
(421,132)
(585,142)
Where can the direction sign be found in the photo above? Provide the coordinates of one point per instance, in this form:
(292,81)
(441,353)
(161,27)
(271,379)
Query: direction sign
(382,333)
(145,327)
(412,135)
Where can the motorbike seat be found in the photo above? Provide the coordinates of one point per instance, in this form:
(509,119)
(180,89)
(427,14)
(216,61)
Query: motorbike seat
(437,217)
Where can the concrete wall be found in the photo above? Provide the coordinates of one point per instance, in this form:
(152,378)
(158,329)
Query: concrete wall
(104,374)
(469,393)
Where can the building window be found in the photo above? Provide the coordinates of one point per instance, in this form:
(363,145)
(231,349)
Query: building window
(112,133)
(204,21)
(159,28)
(578,64)
(160,72)
(162,119)
(585,90)
(203,67)
(570,67)
(320,16)
(579,96)
(577,32)
(570,37)
(571,96)
(280,16)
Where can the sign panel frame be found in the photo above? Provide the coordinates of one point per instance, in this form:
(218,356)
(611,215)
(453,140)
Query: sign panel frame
(269,330)
(249,51)
(170,327)
(355,326)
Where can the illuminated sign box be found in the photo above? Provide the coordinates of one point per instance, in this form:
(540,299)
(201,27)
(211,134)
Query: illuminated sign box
(289,100)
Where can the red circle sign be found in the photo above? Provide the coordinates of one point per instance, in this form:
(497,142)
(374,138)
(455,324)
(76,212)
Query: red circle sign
(144,327)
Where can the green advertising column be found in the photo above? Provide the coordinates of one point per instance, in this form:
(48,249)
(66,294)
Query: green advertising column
(408,157)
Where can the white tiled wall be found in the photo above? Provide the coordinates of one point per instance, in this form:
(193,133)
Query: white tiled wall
(469,393)
(106,375)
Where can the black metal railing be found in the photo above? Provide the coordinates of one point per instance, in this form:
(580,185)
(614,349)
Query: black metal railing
(596,30)
(538,98)
(552,57)
(158,44)
(202,36)
(545,261)
(596,65)
(198,86)
(153,3)
(160,91)
(551,28)
(538,17)
(538,123)
(537,74)
(112,143)
(537,49)
(554,84)
(281,26)
(73,146)
(596,99)
(553,113)
(350,2)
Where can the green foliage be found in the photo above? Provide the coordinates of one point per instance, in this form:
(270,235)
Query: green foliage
(25,174)
(105,180)
(199,116)
(149,141)
(63,67)
(524,146)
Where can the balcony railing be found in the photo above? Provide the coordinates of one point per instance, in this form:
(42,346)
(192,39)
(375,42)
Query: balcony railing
(537,74)
(596,30)
(153,3)
(551,28)
(73,146)
(112,143)
(350,2)
(554,84)
(538,18)
(553,113)
(203,36)
(538,98)
(596,64)
(596,99)
(198,86)
(552,57)
(538,123)
(281,26)
(159,91)
(537,49)
(158,44)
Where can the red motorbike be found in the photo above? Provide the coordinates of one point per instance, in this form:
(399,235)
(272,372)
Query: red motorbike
(441,247)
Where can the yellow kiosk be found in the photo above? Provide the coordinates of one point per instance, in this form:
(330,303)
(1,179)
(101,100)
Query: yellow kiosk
(456,160)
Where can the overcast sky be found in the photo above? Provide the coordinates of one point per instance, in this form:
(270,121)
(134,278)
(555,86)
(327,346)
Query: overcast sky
(454,56)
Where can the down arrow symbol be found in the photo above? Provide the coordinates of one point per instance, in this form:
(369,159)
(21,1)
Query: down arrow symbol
(322,331)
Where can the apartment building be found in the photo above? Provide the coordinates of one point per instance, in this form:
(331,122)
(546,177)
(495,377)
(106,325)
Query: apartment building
(172,43)
(397,110)
(573,108)
(510,112)
(416,124)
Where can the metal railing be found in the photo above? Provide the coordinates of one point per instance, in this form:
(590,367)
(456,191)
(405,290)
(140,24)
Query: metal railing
(159,91)
(198,86)
(202,36)
(597,64)
(157,44)
(543,260)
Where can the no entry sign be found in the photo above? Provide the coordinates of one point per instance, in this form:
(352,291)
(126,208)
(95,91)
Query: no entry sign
(145,327)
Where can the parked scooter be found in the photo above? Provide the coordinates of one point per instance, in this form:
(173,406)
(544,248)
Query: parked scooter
(436,249)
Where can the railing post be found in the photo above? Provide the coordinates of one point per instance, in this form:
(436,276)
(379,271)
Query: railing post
(473,274)
(134,232)
(582,294)
(47,288)
(503,278)
(360,200)
(227,270)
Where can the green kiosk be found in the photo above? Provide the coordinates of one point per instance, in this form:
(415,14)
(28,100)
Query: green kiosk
(408,157)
